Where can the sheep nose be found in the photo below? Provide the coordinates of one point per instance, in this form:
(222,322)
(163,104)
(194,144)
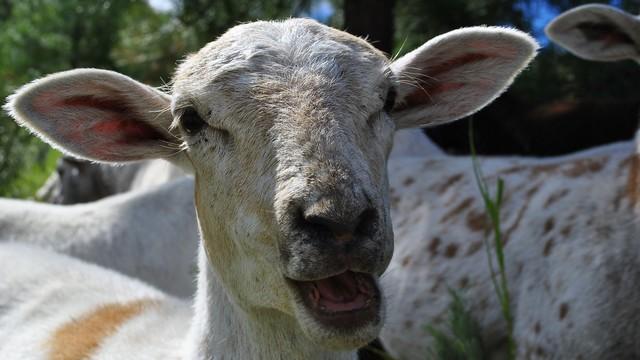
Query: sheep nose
(343,222)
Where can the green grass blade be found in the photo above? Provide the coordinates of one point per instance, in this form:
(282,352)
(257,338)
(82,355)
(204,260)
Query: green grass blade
(493,206)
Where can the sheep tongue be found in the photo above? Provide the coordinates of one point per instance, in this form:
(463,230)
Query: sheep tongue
(339,288)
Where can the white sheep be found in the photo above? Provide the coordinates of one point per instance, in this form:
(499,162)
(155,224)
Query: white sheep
(286,127)
(151,235)
(597,32)
(77,181)
(569,224)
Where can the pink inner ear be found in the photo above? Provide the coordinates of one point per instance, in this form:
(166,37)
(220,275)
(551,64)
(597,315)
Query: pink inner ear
(126,131)
(614,39)
(119,126)
(89,101)
(104,128)
(606,33)
(454,63)
(429,86)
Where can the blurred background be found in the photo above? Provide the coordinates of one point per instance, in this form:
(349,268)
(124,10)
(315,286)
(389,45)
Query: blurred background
(560,105)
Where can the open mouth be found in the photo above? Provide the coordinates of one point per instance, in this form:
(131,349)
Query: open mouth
(347,300)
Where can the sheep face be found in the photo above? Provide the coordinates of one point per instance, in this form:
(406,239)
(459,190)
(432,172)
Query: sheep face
(291,120)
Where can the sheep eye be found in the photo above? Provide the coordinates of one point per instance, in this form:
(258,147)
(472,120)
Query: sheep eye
(191,122)
(390,101)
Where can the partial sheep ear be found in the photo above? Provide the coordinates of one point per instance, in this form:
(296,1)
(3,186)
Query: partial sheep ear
(97,115)
(458,73)
(597,32)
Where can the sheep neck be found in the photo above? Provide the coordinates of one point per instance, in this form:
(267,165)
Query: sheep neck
(222,330)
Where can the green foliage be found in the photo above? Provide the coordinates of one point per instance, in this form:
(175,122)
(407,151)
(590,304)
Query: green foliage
(465,339)
(418,20)
(209,19)
(554,75)
(557,74)
(162,38)
(38,37)
(25,184)
(492,206)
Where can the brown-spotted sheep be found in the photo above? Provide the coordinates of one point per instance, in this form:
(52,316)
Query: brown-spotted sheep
(569,224)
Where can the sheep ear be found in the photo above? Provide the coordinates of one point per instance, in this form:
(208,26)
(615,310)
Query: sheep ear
(97,115)
(458,73)
(597,32)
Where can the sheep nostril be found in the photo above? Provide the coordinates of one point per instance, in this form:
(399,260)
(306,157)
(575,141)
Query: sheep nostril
(343,228)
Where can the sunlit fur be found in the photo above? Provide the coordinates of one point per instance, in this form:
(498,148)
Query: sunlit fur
(315,132)
(295,117)
(150,235)
(597,32)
